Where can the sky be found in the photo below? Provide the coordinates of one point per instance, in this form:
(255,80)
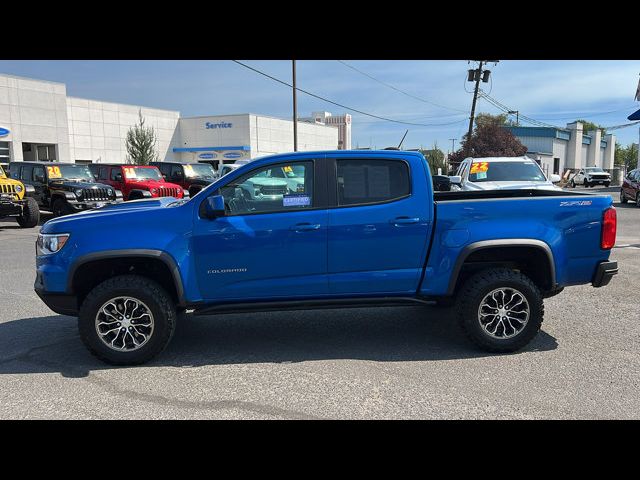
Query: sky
(554,92)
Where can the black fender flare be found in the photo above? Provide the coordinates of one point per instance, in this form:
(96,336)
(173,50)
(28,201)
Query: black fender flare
(512,242)
(167,259)
(138,194)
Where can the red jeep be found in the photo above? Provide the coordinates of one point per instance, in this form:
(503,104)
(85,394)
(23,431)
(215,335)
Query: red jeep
(136,181)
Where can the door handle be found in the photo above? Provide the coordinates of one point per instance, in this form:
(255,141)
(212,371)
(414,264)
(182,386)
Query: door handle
(404,221)
(305,227)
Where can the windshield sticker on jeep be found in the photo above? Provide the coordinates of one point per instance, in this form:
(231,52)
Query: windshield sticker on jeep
(130,172)
(287,169)
(296,200)
(479,167)
(54,172)
(576,203)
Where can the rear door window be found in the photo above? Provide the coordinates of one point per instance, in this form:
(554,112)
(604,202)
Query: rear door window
(368,181)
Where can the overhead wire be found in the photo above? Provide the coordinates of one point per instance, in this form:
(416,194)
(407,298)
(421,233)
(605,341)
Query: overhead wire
(340,104)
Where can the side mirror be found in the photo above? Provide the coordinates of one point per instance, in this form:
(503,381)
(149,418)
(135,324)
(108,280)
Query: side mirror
(39,178)
(214,206)
(554,178)
(456,179)
(118,177)
(164,176)
(95,176)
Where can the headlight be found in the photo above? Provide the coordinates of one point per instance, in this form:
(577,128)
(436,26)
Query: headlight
(18,188)
(78,192)
(50,243)
(154,191)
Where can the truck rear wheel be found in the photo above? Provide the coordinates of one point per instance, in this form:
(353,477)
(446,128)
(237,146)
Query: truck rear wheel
(127,320)
(30,214)
(500,310)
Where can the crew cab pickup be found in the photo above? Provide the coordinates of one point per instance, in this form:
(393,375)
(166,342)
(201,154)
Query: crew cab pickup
(360,229)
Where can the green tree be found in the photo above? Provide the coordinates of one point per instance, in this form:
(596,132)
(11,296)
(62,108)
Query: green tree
(141,143)
(483,119)
(588,126)
(627,156)
(436,159)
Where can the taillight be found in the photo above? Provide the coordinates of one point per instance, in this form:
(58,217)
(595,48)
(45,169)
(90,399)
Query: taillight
(609,224)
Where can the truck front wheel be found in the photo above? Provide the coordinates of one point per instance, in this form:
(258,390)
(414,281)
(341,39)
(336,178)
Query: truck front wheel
(500,310)
(127,320)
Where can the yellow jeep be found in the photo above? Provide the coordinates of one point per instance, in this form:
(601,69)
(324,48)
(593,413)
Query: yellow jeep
(15,201)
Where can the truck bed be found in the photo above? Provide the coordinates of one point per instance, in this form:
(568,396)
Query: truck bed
(517,193)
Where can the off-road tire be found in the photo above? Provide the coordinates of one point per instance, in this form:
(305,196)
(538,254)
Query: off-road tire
(474,290)
(142,288)
(59,207)
(30,214)
(623,199)
(638,200)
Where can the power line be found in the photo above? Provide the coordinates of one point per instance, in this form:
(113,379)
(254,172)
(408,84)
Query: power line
(400,91)
(339,104)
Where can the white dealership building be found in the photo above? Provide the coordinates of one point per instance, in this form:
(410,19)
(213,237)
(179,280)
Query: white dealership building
(38,121)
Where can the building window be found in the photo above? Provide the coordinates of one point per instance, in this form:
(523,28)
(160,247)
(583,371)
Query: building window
(5,155)
(556,166)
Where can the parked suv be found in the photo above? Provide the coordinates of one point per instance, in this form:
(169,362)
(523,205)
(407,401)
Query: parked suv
(64,188)
(630,189)
(17,201)
(190,176)
(591,176)
(136,181)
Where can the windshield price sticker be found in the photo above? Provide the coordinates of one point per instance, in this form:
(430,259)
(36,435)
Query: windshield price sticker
(479,167)
(296,200)
(287,169)
(54,172)
(130,172)
(481,175)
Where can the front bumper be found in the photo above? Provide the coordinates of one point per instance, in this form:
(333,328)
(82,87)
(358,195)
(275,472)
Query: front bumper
(61,303)
(82,206)
(604,273)
(8,208)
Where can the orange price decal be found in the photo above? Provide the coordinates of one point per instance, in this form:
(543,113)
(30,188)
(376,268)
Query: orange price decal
(479,167)
(288,169)
(54,172)
(130,172)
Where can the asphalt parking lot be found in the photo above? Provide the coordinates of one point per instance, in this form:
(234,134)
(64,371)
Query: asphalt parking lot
(391,363)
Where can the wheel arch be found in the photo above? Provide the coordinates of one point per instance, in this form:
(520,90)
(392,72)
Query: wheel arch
(508,251)
(90,268)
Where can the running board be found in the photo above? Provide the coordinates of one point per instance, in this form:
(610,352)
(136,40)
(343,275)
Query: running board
(278,306)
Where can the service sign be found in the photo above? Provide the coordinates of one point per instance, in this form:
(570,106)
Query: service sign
(232,155)
(4,132)
(207,156)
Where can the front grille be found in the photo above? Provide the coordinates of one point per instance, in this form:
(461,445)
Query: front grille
(96,195)
(273,190)
(9,190)
(167,192)
(599,177)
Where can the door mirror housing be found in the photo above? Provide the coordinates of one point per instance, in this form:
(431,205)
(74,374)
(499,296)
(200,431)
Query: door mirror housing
(456,179)
(214,207)
(118,177)
(554,178)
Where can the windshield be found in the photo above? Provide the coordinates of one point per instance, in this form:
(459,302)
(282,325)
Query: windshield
(2,174)
(142,173)
(506,172)
(201,170)
(594,169)
(69,172)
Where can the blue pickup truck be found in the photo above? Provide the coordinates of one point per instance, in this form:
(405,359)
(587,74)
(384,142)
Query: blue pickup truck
(357,228)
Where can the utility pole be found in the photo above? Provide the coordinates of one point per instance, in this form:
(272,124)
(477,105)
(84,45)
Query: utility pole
(511,112)
(295,108)
(453,144)
(476,75)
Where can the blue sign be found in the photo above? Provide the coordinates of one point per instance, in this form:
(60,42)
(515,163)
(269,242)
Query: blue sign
(4,132)
(218,125)
(232,155)
(207,156)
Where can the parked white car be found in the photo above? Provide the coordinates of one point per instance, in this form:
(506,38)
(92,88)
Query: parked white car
(501,173)
(591,176)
